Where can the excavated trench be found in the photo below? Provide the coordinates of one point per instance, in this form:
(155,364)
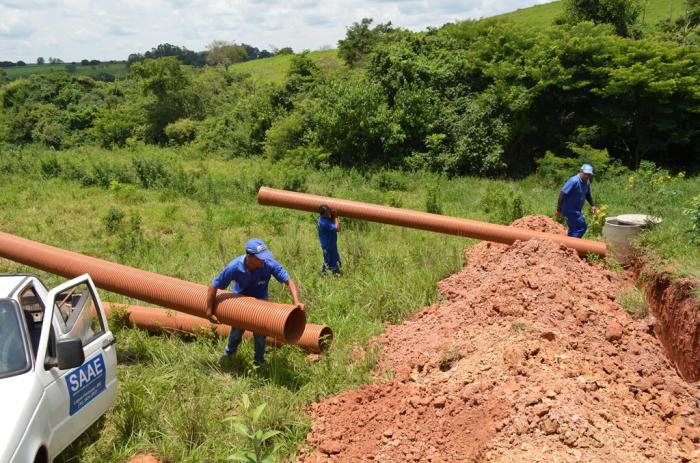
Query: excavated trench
(676,309)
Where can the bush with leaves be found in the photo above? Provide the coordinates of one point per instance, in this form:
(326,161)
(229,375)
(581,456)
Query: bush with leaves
(693,211)
(247,426)
(554,170)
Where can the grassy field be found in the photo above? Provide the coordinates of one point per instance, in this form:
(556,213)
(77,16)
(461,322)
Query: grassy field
(174,396)
(118,70)
(545,14)
(275,69)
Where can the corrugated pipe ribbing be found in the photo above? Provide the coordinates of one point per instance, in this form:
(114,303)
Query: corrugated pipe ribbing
(281,321)
(421,220)
(316,338)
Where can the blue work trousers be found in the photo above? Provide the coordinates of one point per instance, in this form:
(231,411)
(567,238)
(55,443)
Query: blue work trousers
(234,340)
(576,222)
(331,259)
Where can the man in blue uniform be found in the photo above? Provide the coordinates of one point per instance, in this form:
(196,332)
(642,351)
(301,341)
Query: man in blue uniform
(328,228)
(250,274)
(575,191)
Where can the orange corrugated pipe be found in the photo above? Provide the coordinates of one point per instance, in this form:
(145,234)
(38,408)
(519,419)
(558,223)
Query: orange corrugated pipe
(421,220)
(281,321)
(316,338)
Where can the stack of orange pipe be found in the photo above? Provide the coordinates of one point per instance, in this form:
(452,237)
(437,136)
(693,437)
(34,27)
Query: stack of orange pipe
(281,321)
(316,338)
(422,220)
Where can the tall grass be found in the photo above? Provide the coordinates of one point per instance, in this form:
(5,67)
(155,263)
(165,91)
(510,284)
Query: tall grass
(174,395)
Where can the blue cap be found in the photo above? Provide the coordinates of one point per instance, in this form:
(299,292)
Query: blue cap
(587,169)
(258,248)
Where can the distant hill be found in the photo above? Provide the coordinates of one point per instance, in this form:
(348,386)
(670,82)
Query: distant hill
(116,69)
(275,68)
(545,14)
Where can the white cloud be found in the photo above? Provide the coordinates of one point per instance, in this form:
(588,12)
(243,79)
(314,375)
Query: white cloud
(14,24)
(97,29)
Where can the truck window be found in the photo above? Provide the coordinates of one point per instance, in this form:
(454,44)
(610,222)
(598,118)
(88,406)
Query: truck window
(78,309)
(14,358)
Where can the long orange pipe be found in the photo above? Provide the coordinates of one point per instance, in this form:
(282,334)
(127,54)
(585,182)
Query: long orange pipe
(281,321)
(421,220)
(316,338)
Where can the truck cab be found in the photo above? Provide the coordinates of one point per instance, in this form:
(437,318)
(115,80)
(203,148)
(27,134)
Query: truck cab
(57,365)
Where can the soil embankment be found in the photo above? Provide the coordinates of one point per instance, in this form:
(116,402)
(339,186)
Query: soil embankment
(528,358)
(677,316)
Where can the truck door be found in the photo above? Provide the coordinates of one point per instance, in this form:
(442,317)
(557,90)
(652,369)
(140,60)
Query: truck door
(77,397)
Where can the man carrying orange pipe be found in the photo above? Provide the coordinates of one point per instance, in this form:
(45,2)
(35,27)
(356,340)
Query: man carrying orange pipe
(250,274)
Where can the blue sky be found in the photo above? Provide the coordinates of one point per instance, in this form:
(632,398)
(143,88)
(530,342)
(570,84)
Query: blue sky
(98,29)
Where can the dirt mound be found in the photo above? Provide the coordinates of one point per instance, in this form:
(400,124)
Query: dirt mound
(528,358)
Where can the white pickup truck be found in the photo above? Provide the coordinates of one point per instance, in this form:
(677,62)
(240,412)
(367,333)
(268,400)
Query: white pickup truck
(57,365)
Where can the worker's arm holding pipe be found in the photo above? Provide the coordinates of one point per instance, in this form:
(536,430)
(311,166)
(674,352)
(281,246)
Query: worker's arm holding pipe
(295,294)
(336,222)
(211,304)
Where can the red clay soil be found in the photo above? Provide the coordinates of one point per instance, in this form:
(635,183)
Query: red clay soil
(677,315)
(528,358)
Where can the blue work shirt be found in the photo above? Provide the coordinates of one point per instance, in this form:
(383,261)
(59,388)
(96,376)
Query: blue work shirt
(575,191)
(248,283)
(327,232)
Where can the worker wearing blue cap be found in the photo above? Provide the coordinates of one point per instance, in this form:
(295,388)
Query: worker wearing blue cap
(250,274)
(573,194)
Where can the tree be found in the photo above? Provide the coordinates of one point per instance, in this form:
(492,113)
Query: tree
(55,60)
(225,53)
(620,13)
(85,62)
(40,60)
(170,88)
(359,40)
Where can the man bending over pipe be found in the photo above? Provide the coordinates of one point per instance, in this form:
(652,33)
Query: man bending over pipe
(250,274)
(575,191)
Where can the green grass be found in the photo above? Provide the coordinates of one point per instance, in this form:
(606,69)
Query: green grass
(545,14)
(118,70)
(174,396)
(274,69)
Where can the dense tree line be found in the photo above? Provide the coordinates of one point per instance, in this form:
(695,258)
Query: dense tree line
(488,97)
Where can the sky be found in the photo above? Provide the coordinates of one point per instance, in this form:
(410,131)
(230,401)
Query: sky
(111,30)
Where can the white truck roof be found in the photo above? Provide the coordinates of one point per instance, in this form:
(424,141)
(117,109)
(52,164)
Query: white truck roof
(9,282)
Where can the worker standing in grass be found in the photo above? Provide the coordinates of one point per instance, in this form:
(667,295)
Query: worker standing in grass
(251,274)
(328,228)
(573,194)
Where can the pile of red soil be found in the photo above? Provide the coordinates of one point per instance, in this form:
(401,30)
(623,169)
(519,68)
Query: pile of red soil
(528,358)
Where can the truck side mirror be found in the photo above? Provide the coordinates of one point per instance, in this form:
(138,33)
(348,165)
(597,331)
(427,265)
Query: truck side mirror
(69,353)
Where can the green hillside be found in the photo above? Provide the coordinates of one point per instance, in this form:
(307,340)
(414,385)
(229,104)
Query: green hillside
(544,15)
(118,70)
(274,69)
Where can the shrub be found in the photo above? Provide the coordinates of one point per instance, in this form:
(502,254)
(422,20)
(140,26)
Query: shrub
(432,201)
(150,172)
(502,205)
(113,220)
(113,127)
(387,180)
(284,135)
(693,211)
(181,131)
(554,170)
(652,187)
(50,167)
